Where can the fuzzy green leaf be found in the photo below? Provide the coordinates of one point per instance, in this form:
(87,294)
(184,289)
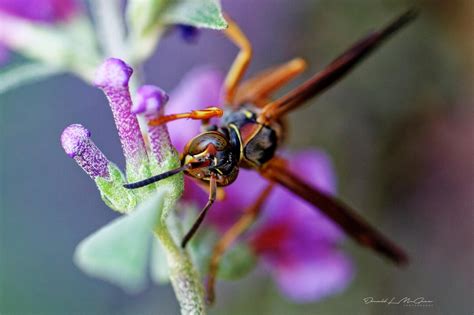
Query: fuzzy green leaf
(56,45)
(198,13)
(16,76)
(236,261)
(144,27)
(146,21)
(142,15)
(119,251)
(159,265)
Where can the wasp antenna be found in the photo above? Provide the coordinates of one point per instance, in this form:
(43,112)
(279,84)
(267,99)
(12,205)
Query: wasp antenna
(156,178)
(167,174)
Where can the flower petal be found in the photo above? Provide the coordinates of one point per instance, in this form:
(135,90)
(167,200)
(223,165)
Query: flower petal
(314,279)
(238,197)
(315,167)
(200,88)
(40,10)
(298,243)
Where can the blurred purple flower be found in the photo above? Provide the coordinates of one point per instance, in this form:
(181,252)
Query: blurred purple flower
(297,245)
(200,88)
(48,11)
(14,12)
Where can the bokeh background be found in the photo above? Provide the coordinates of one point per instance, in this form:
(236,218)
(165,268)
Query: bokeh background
(400,130)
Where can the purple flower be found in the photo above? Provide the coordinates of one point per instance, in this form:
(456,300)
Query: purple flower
(113,77)
(299,245)
(296,243)
(150,101)
(76,141)
(199,89)
(13,14)
(47,11)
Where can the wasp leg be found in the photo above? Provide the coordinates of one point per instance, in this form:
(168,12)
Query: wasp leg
(245,221)
(335,71)
(258,88)
(202,114)
(241,62)
(202,214)
(220,192)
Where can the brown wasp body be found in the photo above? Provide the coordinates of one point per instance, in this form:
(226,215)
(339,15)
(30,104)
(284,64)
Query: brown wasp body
(250,133)
(240,142)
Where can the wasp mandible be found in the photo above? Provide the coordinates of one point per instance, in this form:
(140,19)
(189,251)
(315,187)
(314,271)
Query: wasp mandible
(251,131)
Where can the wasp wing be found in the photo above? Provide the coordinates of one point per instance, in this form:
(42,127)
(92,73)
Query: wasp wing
(352,223)
(335,71)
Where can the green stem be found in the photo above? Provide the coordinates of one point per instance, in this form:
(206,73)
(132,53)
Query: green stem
(183,274)
(184,277)
(110,27)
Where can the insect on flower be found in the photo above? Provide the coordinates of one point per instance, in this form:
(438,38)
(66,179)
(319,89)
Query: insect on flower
(250,133)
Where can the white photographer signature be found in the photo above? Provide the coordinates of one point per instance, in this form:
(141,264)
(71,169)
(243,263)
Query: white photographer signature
(407,301)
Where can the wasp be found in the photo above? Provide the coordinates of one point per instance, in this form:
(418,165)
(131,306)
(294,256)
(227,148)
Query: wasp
(251,131)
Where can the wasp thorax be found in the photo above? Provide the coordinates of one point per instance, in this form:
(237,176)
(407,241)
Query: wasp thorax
(212,146)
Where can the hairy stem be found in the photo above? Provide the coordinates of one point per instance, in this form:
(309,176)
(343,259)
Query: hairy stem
(183,274)
(110,27)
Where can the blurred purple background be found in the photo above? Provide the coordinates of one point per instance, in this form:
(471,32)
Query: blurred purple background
(399,129)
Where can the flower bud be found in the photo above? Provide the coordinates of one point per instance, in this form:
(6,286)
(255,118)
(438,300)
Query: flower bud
(113,78)
(150,101)
(76,141)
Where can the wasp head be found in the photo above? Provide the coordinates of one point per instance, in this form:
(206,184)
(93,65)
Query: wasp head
(212,147)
